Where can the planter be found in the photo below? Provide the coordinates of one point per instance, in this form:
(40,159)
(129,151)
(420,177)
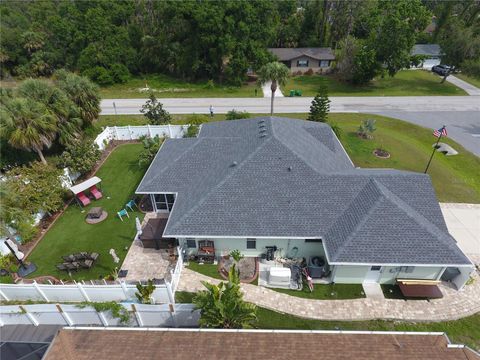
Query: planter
(382,154)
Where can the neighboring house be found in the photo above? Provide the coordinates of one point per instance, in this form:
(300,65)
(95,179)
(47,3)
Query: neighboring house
(431,52)
(270,181)
(304,59)
(158,343)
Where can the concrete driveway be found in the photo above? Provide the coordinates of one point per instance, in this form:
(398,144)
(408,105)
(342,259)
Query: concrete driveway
(463,222)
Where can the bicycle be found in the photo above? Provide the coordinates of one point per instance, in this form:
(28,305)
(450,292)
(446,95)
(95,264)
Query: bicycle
(308,278)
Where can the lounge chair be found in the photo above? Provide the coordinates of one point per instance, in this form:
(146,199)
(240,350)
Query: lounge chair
(80,256)
(93,256)
(84,200)
(72,266)
(87,264)
(130,205)
(69,258)
(95,192)
(123,213)
(61,267)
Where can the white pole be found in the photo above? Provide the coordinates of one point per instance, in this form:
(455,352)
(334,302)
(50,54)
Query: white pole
(83,292)
(102,318)
(116,133)
(130,132)
(170,293)
(124,288)
(30,316)
(4,296)
(149,131)
(170,130)
(40,291)
(65,316)
(137,316)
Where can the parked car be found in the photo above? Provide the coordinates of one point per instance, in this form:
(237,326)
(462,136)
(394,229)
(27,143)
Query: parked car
(441,69)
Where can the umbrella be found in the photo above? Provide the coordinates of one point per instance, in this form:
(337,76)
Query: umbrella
(138,225)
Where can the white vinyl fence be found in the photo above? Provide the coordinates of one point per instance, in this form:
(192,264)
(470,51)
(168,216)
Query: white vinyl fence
(80,292)
(141,315)
(135,132)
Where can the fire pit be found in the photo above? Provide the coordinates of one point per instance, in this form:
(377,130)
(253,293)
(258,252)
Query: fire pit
(96,215)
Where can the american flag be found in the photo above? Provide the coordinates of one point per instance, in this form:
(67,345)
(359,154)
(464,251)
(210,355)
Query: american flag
(440,132)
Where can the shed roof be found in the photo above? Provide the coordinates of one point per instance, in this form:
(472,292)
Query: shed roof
(277,177)
(250,344)
(285,54)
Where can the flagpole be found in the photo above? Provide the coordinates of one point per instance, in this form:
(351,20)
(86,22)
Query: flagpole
(434,149)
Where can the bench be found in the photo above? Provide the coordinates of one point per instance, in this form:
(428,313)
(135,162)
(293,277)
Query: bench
(419,288)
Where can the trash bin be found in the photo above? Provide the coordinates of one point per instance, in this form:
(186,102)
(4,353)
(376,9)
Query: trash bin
(292,93)
(298,92)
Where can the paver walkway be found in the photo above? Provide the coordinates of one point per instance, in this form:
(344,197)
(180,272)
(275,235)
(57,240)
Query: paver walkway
(467,87)
(454,305)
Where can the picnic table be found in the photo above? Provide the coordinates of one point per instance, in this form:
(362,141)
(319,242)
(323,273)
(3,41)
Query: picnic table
(419,290)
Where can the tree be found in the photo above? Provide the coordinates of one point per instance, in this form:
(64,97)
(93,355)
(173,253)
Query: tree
(236,115)
(150,149)
(222,305)
(366,128)
(348,49)
(144,293)
(154,111)
(82,92)
(395,25)
(365,65)
(67,113)
(320,106)
(28,125)
(275,72)
(81,156)
(38,187)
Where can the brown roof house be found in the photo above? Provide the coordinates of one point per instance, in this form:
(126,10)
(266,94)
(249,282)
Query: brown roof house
(303,59)
(186,344)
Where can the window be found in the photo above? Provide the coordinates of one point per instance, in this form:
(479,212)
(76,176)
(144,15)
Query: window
(251,244)
(313,240)
(164,201)
(375,268)
(302,63)
(191,243)
(324,63)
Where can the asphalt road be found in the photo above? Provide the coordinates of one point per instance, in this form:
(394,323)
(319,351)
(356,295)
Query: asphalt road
(462,126)
(299,104)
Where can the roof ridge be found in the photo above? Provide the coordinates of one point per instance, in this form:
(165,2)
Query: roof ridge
(371,182)
(237,167)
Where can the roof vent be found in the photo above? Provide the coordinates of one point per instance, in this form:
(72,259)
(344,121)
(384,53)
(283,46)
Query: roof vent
(262,126)
(263,131)
(261,121)
(263,135)
(234,164)
(290,168)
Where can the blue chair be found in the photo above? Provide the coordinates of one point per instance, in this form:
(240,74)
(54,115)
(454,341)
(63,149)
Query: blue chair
(130,205)
(123,213)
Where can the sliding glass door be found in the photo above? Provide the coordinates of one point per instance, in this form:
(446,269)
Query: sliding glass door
(163,202)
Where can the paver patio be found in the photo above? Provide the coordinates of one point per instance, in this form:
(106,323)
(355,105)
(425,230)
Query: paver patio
(454,305)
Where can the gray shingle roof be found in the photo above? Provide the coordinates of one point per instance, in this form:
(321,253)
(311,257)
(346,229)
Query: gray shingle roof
(427,50)
(285,54)
(278,177)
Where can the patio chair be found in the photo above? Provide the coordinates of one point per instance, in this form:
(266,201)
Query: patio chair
(69,258)
(84,200)
(122,213)
(80,256)
(61,267)
(95,192)
(72,266)
(87,264)
(93,256)
(130,205)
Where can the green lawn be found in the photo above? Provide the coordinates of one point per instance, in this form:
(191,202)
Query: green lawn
(327,292)
(120,175)
(205,269)
(168,87)
(475,81)
(405,83)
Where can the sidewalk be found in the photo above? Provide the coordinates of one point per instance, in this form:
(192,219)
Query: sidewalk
(454,305)
(468,88)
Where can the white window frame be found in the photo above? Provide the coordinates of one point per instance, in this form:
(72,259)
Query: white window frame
(324,63)
(254,241)
(306,63)
(168,206)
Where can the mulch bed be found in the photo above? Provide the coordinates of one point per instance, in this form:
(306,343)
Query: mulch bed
(382,154)
(248,267)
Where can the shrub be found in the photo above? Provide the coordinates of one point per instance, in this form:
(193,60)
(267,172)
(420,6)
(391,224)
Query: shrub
(309,72)
(81,156)
(144,293)
(119,73)
(336,129)
(366,128)
(100,75)
(150,149)
(235,115)
(320,106)
(471,67)
(210,84)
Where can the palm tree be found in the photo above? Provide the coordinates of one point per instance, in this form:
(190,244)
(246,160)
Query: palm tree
(222,305)
(27,124)
(67,113)
(82,92)
(275,72)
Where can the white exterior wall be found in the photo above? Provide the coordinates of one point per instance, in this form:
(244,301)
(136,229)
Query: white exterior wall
(225,245)
(391,273)
(348,274)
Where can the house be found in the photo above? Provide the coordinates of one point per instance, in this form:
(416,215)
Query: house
(432,54)
(186,344)
(304,59)
(269,181)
